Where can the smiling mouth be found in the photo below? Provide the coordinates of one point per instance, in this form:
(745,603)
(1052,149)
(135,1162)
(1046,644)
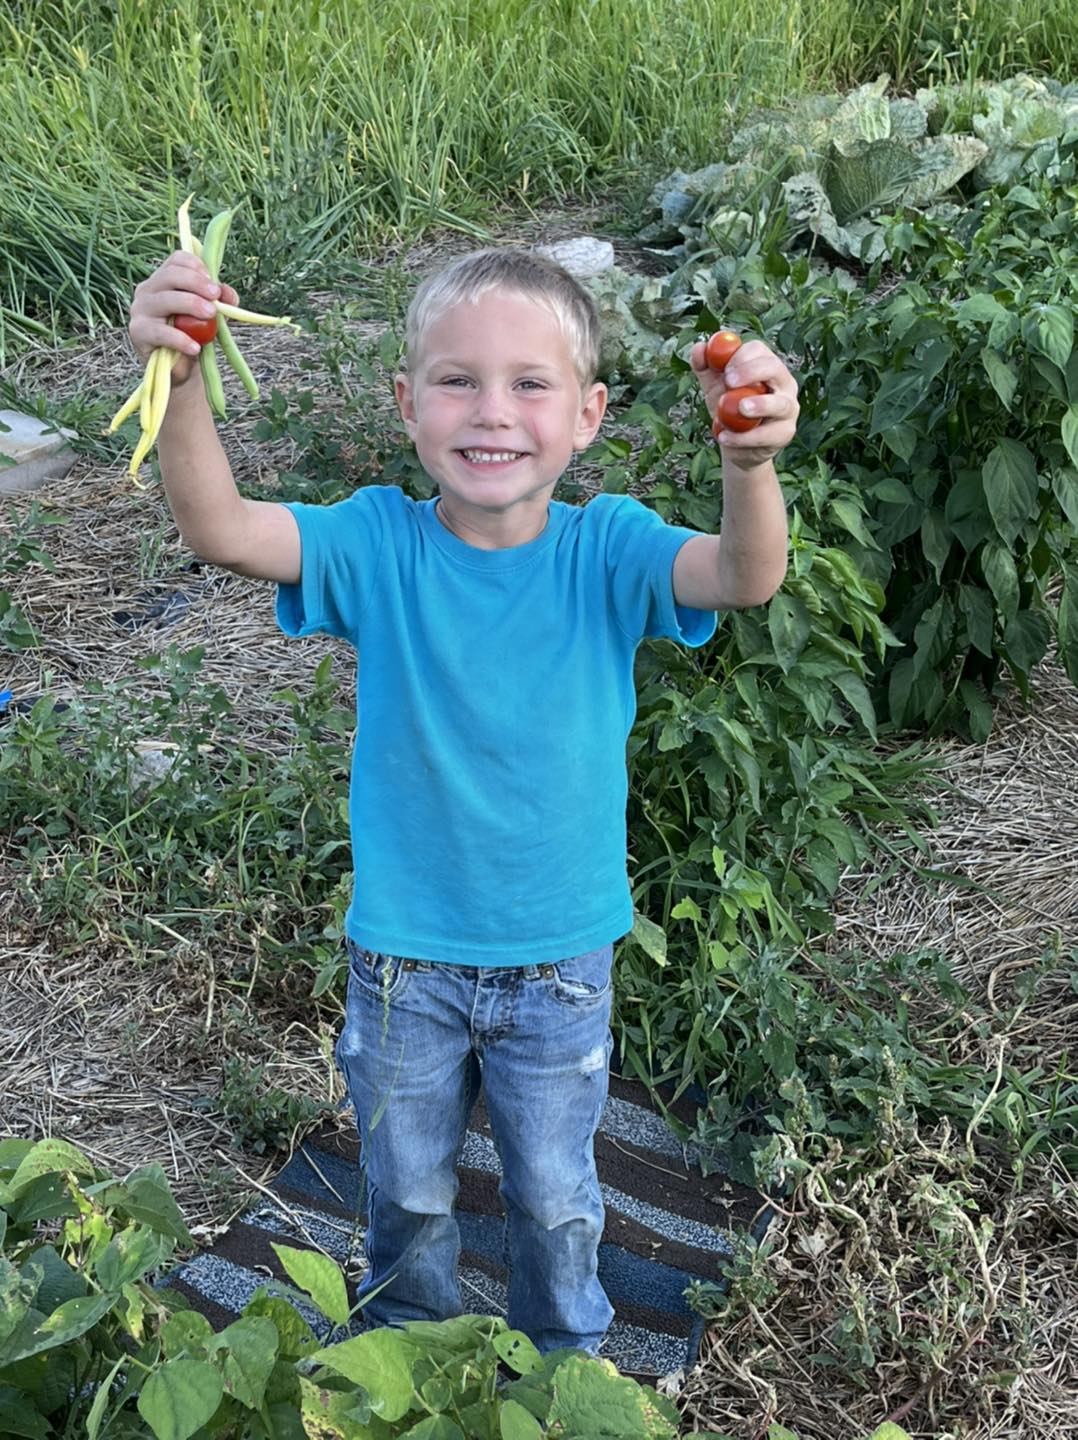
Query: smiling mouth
(491,457)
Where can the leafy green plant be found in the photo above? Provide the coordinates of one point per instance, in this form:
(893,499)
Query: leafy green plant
(253,842)
(938,438)
(19,548)
(838,165)
(262,1117)
(951,404)
(88,1341)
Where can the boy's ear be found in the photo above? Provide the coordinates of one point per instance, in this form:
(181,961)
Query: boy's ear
(591,415)
(402,387)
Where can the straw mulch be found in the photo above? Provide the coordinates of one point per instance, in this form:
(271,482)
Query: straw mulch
(123,1053)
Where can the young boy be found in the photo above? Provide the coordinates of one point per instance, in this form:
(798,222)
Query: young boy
(496,631)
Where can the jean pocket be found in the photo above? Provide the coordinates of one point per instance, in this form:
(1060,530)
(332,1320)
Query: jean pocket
(584,980)
(382,977)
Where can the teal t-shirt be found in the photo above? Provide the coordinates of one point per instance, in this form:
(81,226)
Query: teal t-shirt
(494,700)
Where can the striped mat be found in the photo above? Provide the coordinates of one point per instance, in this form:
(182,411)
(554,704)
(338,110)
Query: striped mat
(667,1225)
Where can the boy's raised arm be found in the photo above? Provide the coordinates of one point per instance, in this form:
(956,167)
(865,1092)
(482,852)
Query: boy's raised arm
(252,537)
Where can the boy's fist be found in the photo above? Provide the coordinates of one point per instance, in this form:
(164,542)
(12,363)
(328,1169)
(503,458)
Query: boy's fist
(769,415)
(179,286)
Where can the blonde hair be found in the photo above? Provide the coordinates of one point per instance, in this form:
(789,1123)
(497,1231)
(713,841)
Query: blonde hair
(520,272)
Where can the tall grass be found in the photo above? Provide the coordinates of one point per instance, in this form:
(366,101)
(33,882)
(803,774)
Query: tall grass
(339,123)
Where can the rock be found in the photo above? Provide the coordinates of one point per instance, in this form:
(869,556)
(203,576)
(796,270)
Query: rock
(583,257)
(32,451)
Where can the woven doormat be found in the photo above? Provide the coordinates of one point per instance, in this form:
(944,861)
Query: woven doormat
(667,1225)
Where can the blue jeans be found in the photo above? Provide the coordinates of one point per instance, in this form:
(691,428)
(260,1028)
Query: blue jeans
(417,1039)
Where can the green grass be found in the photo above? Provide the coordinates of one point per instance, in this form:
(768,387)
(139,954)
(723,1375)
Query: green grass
(337,124)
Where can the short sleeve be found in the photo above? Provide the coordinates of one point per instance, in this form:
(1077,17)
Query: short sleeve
(640,550)
(340,550)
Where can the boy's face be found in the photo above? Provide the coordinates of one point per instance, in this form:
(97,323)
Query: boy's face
(496,410)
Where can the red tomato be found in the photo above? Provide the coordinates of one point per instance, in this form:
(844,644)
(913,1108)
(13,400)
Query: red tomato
(721,347)
(199,330)
(730,416)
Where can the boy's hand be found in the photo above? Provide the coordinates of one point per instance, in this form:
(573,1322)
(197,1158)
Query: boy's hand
(754,361)
(179,286)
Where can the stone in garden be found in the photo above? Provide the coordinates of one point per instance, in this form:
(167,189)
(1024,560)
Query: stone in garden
(583,257)
(32,451)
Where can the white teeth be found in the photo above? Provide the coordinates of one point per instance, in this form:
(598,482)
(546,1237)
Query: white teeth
(490,457)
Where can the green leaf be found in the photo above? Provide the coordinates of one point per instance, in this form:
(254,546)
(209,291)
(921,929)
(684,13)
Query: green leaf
(59,1282)
(250,1351)
(145,1196)
(1002,377)
(852,521)
(1010,487)
(129,1255)
(978,611)
(381,1361)
(589,1401)
(1068,429)
(1049,329)
(17,1419)
(978,309)
(855,692)
(966,510)
(901,392)
(1001,575)
(650,937)
(436,1427)
(1067,625)
(1065,489)
(1026,639)
(49,1157)
(295,1338)
(185,1332)
(517,1351)
(978,709)
(319,1277)
(889,1431)
(936,540)
(516,1423)
(101,1400)
(66,1323)
(180,1397)
(790,625)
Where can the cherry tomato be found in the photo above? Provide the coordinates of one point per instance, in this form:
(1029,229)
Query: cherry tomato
(721,347)
(196,328)
(730,416)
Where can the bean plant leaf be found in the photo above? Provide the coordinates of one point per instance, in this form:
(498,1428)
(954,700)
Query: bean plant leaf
(180,1397)
(248,1353)
(17,1420)
(516,1423)
(101,1400)
(48,1157)
(1010,487)
(66,1323)
(381,1361)
(319,1277)
(145,1196)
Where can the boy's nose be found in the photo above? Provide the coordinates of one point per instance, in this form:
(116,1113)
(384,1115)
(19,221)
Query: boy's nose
(492,407)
